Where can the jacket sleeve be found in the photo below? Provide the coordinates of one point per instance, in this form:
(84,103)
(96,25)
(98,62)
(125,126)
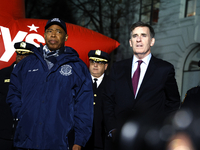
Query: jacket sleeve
(14,93)
(83,110)
(109,101)
(173,100)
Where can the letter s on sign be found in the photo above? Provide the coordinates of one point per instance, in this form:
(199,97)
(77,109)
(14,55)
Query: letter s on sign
(33,36)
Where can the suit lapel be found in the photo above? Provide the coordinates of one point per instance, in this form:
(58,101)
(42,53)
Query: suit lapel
(151,68)
(128,70)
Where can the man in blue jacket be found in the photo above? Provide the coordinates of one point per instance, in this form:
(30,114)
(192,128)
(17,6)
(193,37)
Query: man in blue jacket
(51,94)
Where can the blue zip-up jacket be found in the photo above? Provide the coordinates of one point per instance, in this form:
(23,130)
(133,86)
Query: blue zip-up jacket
(50,103)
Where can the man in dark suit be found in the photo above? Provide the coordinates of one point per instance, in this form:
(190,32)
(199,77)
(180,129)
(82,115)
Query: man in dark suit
(98,65)
(6,125)
(141,85)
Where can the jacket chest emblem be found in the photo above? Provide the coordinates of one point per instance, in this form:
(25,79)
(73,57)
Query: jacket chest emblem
(66,70)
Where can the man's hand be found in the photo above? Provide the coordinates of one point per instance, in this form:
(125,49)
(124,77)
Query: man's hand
(113,134)
(76,147)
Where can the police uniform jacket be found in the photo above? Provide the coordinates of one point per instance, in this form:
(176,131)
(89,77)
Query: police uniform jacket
(6,118)
(99,131)
(192,99)
(97,138)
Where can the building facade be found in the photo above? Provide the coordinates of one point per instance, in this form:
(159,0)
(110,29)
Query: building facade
(178,40)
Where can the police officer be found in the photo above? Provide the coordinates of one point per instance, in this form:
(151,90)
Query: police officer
(6,125)
(192,99)
(98,64)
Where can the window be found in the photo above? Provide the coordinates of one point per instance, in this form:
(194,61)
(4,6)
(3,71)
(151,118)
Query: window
(190,8)
(149,10)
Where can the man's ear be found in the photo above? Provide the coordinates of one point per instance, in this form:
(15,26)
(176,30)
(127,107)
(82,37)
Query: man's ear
(44,35)
(152,41)
(130,43)
(106,66)
(66,37)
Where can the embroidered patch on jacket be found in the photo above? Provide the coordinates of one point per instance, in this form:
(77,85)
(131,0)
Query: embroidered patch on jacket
(66,70)
(33,70)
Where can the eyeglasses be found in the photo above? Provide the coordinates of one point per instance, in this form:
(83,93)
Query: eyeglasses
(98,62)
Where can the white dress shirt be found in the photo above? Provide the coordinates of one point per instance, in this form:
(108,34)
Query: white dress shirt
(99,79)
(143,68)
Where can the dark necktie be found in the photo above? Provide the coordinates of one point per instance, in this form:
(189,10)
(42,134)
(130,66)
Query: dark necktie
(136,76)
(95,83)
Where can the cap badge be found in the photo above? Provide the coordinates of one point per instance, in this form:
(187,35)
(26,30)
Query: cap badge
(6,80)
(98,52)
(55,19)
(23,44)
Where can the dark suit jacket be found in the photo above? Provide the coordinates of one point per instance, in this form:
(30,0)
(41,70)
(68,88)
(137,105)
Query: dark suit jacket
(192,100)
(158,94)
(6,119)
(97,138)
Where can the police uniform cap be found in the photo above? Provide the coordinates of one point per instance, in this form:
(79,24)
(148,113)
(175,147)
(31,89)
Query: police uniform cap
(98,55)
(58,22)
(23,48)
